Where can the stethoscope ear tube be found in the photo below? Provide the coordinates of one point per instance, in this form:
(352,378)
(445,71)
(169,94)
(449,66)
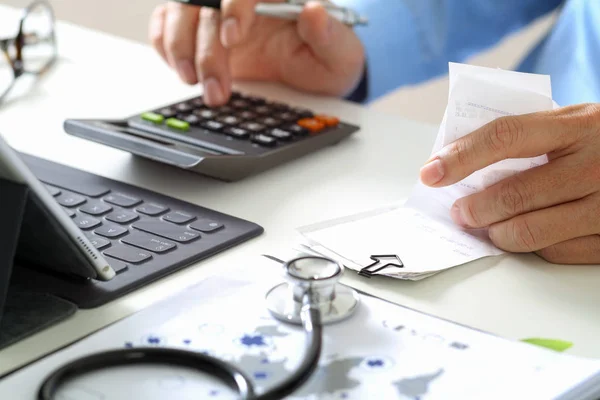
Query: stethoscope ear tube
(227,373)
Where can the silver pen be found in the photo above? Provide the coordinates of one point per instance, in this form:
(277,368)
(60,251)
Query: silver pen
(291,10)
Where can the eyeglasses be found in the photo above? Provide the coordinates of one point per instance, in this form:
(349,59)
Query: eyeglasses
(32,51)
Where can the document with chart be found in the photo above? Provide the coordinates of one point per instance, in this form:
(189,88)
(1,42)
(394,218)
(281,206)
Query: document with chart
(382,352)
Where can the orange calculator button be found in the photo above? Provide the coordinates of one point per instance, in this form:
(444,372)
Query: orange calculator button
(328,120)
(312,124)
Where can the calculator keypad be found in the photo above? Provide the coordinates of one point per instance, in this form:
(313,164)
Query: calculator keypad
(244,119)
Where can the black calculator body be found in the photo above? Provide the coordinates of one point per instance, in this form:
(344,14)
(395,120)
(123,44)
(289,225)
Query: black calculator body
(246,136)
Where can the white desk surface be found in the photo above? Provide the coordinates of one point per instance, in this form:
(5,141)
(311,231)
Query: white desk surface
(515,296)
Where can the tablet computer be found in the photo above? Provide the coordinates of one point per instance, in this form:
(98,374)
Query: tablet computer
(59,243)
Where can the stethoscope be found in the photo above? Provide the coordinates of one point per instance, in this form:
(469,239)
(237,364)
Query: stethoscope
(311,297)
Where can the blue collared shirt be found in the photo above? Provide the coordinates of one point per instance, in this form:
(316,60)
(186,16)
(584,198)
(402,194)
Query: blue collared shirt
(411,41)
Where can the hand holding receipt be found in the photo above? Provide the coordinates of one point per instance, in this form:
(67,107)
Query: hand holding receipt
(216,42)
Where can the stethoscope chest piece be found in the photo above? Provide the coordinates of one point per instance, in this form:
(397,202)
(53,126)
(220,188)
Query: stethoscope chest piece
(316,279)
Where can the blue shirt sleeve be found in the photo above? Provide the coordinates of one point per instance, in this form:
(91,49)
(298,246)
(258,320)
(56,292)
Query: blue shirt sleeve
(410,41)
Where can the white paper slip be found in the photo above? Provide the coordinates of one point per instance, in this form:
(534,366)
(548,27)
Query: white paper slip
(420,234)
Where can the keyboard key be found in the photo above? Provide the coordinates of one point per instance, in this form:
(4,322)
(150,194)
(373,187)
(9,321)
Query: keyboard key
(167,230)
(167,112)
(122,200)
(153,117)
(128,254)
(311,124)
(280,134)
(212,125)
(122,216)
(95,208)
(253,126)
(178,124)
(178,217)
(206,113)
(117,265)
(236,132)
(328,120)
(269,121)
(206,225)
(99,242)
(110,231)
(84,222)
(53,191)
(86,189)
(152,209)
(264,140)
(70,200)
(149,242)
(69,212)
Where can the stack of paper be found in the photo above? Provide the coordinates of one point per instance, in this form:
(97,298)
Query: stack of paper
(419,238)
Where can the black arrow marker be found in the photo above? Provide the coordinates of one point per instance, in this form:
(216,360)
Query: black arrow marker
(379,259)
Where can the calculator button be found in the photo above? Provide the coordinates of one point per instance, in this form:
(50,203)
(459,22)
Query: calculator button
(128,253)
(253,126)
(122,200)
(191,119)
(229,120)
(311,124)
(280,134)
(148,242)
(167,112)
(151,209)
(240,103)
(212,125)
(269,121)
(178,124)
(264,140)
(205,113)
(303,112)
(178,217)
(70,200)
(296,129)
(110,231)
(96,208)
(206,225)
(166,230)
(153,117)
(225,109)
(236,132)
(183,107)
(247,115)
(85,222)
(287,116)
(328,120)
(198,102)
(263,110)
(122,216)
(256,99)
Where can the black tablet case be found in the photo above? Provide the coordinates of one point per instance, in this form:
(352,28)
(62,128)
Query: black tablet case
(23,312)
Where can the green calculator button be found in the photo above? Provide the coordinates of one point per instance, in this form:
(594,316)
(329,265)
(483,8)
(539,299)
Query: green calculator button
(153,117)
(178,124)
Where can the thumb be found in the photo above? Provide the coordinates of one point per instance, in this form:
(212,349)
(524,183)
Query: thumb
(333,43)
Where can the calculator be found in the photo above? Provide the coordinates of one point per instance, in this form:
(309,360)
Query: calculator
(246,136)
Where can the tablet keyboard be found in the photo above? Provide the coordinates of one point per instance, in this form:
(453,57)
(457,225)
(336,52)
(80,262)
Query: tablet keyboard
(142,234)
(247,135)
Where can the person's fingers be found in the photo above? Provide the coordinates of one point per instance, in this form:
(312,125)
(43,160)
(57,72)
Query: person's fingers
(237,17)
(212,59)
(581,250)
(543,228)
(332,42)
(541,187)
(517,136)
(156,30)
(181,25)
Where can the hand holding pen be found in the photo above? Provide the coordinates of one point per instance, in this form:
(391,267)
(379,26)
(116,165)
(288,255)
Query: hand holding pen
(310,47)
